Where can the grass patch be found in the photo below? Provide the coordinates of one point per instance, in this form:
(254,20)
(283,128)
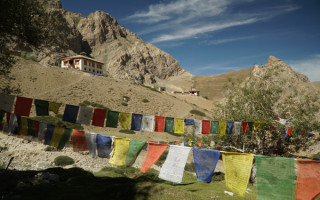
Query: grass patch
(162,158)
(127,131)
(57,120)
(28,57)
(190,167)
(197,112)
(63,161)
(93,104)
(145,100)
(148,87)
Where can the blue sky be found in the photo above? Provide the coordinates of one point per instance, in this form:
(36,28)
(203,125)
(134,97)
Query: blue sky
(211,37)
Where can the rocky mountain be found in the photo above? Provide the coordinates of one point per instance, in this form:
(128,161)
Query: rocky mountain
(126,56)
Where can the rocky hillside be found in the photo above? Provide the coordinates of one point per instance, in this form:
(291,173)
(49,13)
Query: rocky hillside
(125,55)
(316,83)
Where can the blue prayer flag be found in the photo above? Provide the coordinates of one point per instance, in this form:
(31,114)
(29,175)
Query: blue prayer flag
(104,143)
(70,113)
(136,121)
(229,127)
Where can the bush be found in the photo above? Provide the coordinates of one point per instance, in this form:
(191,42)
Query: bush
(197,112)
(124,104)
(205,97)
(190,167)
(145,100)
(27,57)
(127,131)
(63,161)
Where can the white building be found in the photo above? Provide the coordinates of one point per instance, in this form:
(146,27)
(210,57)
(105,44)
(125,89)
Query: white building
(82,63)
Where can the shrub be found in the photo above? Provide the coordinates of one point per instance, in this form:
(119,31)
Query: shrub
(63,161)
(27,57)
(145,100)
(127,131)
(316,156)
(205,97)
(124,104)
(197,112)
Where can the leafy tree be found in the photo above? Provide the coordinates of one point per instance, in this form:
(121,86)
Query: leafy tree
(265,96)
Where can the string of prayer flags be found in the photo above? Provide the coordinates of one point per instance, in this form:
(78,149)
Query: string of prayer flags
(189,122)
(65,137)
(237,167)
(222,127)
(244,126)
(159,124)
(308,180)
(56,136)
(91,139)
(42,107)
(178,125)
(214,127)
(237,127)
(229,127)
(48,134)
(250,125)
(98,118)
(42,128)
(173,167)
(31,129)
(70,113)
(85,115)
(112,119)
(205,126)
(23,128)
(154,152)
(54,107)
(124,119)
(256,125)
(23,106)
(169,124)
(136,120)
(205,161)
(36,125)
(135,148)
(119,153)
(147,123)
(275,177)
(104,144)
(79,141)
(197,126)
(7,102)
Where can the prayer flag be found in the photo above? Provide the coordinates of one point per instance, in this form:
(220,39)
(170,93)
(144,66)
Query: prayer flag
(42,128)
(79,141)
(7,102)
(197,126)
(250,124)
(135,147)
(205,126)
(136,121)
(159,125)
(56,136)
(2,113)
(119,153)
(42,107)
(154,152)
(214,127)
(308,181)
(104,144)
(178,125)
(147,123)
(169,124)
(237,168)
(70,113)
(31,130)
(124,119)
(205,161)
(189,122)
(256,125)
(85,115)
(99,116)
(54,107)
(173,167)
(237,127)
(23,106)
(222,127)
(23,128)
(65,137)
(112,119)
(12,123)
(48,134)
(91,139)
(244,126)
(275,177)
(36,125)
(229,127)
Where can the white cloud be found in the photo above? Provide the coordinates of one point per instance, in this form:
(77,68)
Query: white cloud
(222,41)
(309,67)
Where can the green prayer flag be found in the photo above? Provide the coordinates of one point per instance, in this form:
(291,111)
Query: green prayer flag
(42,107)
(275,178)
(214,127)
(65,137)
(31,130)
(169,125)
(112,119)
(135,147)
(250,124)
(2,113)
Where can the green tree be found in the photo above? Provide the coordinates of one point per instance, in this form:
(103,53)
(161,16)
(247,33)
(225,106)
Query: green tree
(264,97)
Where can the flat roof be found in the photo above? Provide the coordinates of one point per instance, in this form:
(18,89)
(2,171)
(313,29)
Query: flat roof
(81,56)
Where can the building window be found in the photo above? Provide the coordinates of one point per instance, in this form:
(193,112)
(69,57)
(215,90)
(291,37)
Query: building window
(93,70)
(89,70)
(85,69)
(85,62)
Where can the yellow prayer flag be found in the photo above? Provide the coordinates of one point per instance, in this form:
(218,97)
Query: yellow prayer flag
(54,107)
(24,126)
(56,136)
(237,168)
(124,119)
(179,125)
(256,125)
(119,153)
(222,127)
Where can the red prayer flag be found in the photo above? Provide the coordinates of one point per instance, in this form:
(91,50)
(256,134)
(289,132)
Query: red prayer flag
(23,106)
(289,131)
(206,126)
(154,152)
(159,125)
(244,126)
(99,116)
(8,115)
(36,127)
(1,127)
(79,141)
